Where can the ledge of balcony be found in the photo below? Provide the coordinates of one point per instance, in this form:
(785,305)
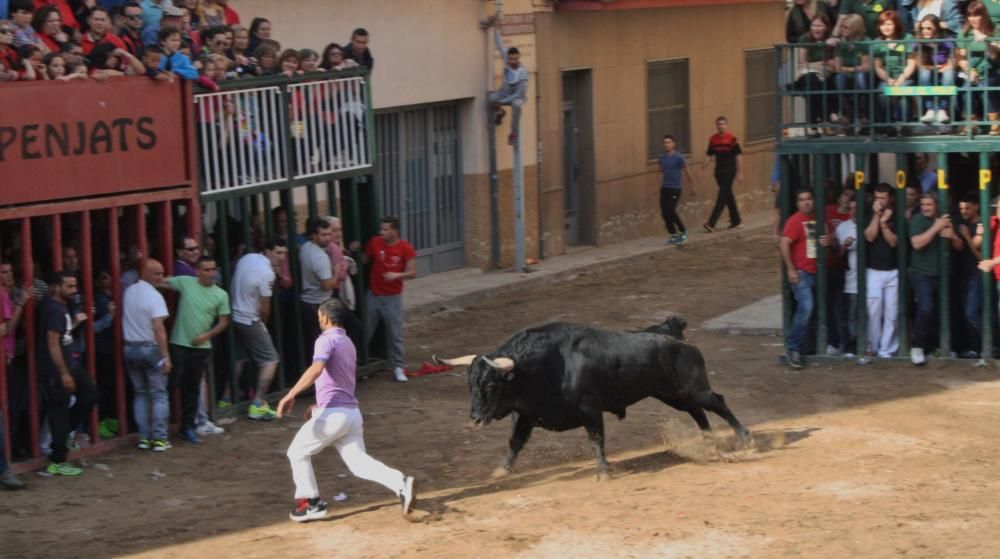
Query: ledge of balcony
(919,141)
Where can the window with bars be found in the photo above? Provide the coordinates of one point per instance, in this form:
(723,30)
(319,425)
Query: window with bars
(667,106)
(761,77)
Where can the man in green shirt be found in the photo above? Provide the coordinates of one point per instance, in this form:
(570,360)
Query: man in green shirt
(202,313)
(925,268)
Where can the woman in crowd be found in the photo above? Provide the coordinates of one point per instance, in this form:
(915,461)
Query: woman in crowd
(290,63)
(936,67)
(976,58)
(47,22)
(850,71)
(895,64)
(801,14)
(815,62)
(57,68)
(333,58)
(260,30)
(267,60)
(106,61)
(310,60)
(946,11)
(238,52)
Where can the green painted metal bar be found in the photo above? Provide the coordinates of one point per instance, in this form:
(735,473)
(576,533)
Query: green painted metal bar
(331,199)
(275,326)
(985,179)
(246,234)
(915,144)
(944,252)
(369,120)
(861,219)
(288,201)
(311,200)
(354,225)
(820,300)
(902,260)
(786,289)
(223,251)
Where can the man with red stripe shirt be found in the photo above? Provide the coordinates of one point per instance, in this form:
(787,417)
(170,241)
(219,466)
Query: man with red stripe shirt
(799,251)
(725,149)
(99,22)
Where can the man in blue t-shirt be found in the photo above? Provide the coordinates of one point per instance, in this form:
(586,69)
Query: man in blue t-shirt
(672,164)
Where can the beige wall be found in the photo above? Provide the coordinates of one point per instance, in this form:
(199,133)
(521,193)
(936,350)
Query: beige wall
(616,46)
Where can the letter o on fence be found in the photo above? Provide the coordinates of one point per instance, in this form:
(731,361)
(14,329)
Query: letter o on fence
(900,179)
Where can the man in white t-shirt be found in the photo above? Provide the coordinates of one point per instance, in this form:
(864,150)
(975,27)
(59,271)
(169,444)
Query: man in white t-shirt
(147,358)
(252,287)
(847,235)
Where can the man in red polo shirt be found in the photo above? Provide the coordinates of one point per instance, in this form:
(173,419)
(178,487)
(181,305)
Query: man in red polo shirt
(798,251)
(391,260)
(100,23)
(725,149)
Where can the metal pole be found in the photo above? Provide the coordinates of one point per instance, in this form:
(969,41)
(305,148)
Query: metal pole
(492,149)
(518,203)
(861,221)
(944,250)
(985,177)
(786,307)
(819,197)
(902,251)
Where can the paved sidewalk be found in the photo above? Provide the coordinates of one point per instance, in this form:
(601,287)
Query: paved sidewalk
(457,288)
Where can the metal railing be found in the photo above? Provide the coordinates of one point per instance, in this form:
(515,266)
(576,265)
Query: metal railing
(817,98)
(267,133)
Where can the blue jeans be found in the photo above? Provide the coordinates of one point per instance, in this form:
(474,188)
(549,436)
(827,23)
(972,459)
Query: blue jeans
(149,383)
(972,307)
(925,290)
(803,292)
(852,105)
(926,77)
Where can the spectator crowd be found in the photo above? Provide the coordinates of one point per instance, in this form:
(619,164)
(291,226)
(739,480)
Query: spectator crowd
(846,51)
(168,348)
(198,40)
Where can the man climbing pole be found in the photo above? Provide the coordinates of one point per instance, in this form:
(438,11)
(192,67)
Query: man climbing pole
(514,89)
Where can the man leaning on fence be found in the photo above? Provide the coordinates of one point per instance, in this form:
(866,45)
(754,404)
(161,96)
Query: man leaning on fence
(147,357)
(799,251)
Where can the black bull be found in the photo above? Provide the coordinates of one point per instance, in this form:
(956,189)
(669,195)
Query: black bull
(562,376)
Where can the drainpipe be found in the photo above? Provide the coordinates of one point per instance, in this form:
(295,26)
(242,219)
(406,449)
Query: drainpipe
(492,148)
(538,155)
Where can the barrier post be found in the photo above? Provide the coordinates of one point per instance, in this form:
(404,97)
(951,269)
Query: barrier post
(985,178)
(820,301)
(861,221)
(902,252)
(944,250)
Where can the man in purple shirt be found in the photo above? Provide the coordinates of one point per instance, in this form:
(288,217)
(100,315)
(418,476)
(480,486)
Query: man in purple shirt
(188,254)
(335,419)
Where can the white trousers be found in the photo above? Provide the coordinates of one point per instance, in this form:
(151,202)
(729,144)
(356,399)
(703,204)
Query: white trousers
(883,310)
(344,428)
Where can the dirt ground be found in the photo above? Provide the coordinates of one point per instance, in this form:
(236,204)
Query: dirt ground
(884,460)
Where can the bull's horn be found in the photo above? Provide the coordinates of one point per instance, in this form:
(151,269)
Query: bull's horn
(465,360)
(502,364)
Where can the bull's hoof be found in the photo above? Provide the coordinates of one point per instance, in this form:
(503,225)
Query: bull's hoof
(744,439)
(604,476)
(500,473)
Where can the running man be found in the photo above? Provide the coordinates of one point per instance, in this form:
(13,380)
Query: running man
(335,419)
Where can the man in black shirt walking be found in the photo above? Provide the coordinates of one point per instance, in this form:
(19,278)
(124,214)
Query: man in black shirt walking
(57,376)
(725,149)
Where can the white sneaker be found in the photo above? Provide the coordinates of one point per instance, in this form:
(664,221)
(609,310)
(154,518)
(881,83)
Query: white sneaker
(941,117)
(400,374)
(830,350)
(928,117)
(408,494)
(209,428)
(917,356)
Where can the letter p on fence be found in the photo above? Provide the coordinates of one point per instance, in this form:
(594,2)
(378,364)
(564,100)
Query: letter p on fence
(985,176)
(859,179)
